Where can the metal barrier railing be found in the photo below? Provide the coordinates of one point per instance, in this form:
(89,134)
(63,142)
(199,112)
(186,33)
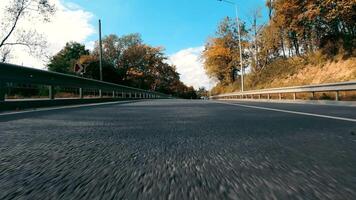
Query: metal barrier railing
(14,74)
(336,88)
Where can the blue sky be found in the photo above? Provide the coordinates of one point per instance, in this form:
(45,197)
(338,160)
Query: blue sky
(180,26)
(173,24)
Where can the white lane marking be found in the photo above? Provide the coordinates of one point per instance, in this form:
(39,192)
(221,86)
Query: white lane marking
(291,112)
(62,107)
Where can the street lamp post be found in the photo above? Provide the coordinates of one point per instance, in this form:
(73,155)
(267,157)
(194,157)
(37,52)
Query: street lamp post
(100,52)
(239,33)
(100,58)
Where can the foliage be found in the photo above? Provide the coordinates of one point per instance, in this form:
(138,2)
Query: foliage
(302,27)
(222,56)
(126,60)
(202,92)
(65,59)
(11,35)
(298,33)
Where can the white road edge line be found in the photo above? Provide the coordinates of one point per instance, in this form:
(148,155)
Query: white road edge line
(291,112)
(62,107)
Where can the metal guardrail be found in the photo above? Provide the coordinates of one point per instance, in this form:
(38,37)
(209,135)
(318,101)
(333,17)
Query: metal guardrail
(312,89)
(10,74)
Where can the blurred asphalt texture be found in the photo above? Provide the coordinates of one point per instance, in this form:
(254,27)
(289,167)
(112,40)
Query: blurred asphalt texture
(178,149)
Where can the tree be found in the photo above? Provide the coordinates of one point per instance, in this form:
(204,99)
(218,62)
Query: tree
(137,64)
(202,92)
(11,35)
(128,61)
(296,28)
(269,4)
(121,52)
(221,54)
(256,30)
(92,69)
(315,24)
(65,59)
(114,46)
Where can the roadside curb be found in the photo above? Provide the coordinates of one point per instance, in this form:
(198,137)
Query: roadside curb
(312,102)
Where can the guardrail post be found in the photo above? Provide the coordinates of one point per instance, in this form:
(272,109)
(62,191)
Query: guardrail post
(2,91)
(81,93)
(294,96)
(113,94)
(100,94)
(280,96)
(313,95)
(51,92)
(337,96)
(268,96)
(259,96)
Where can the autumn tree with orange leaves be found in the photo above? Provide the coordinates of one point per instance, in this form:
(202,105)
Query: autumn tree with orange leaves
(296,28)
(221,54)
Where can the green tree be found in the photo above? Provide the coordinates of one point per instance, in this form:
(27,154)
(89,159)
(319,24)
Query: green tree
(65,59)
(202,92)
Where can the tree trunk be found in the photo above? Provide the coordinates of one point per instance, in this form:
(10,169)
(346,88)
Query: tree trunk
(282,42)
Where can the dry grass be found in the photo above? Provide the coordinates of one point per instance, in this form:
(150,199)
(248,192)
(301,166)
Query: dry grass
(313,69)
(335,71)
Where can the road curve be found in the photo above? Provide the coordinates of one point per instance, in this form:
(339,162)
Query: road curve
(179,149)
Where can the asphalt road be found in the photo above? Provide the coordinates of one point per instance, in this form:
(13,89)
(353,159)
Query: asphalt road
(179,149)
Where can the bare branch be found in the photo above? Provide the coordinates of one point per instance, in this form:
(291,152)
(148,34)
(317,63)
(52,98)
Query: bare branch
(5,54)
(14,24)
(11,35)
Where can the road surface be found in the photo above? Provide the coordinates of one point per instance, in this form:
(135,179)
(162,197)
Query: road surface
(180,149)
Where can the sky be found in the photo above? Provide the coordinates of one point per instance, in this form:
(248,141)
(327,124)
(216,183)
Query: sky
(180,26)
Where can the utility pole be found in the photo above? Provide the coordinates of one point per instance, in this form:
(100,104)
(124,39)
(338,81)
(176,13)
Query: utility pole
(100,53)
(240,48)
(239,33)
(100,58)
(256,35)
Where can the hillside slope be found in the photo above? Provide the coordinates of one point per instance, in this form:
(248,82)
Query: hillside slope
(296,72)
(328,72)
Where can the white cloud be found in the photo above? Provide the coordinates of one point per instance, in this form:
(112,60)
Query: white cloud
(70,23)
(190,66)
(90,45)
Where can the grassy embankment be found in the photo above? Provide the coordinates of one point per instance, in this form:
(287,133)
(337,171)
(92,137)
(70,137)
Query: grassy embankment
(296,71)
